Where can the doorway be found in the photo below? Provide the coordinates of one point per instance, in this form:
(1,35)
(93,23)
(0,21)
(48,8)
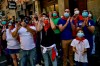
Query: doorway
(80,4)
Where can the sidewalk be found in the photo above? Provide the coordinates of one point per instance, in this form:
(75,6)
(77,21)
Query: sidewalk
(3,60)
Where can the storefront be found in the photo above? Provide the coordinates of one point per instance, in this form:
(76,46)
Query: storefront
(49,5)
(61,5)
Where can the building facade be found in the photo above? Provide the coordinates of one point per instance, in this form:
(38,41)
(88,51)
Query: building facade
(61,5)
(7,9)
(94,6)
(29,7)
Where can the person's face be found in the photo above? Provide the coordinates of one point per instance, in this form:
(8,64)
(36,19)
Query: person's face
(89,15)
(80,34)
(80,31)
(54,14)
(67,10)
(23,24)
(44,15)
(75,9)
(67,13)
(46,21)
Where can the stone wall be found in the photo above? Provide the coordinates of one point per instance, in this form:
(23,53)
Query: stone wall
(94,6)
(8,12)
(62,4)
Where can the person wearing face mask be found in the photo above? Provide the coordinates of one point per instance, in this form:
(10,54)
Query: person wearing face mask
(54,25)
(80,46)
(76,17)
(4,26)
(12,44)
(91,16)
(48,46)
(66,27)
(88,28)
(28,46)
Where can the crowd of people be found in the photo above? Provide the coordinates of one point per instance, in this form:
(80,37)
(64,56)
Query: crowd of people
(50,40)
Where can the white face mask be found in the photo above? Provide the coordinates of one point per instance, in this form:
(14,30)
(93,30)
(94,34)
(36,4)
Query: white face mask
(90,15)
(76,12)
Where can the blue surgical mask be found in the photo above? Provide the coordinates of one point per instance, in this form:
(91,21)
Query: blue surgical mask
(85,14)
(3,22)
(54,14)
(66,14)
(80,34)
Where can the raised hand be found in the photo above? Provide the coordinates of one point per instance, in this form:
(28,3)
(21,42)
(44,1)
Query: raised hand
(18,26)
(86,21)
(71,19)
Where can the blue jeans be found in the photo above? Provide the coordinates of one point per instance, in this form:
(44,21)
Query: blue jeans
(47,59)
(81,64)
(28,55)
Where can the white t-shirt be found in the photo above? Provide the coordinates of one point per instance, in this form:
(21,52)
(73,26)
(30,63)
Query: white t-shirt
(12,43)
(26,38)
(80,47)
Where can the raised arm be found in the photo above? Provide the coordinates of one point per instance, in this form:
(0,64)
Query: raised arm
(15,32)
(62,27)
(39,26)
(4,35)
(32,31)
(53,26)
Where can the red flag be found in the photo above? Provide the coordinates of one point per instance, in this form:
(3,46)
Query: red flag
(53,54)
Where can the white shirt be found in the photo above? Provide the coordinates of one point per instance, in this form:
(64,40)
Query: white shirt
(26,38)
(12,43)
(80,47)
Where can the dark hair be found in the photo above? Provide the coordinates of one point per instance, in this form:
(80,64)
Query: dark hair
(85,11)
(44,14)
(79,29)
(91,13)
(56,12)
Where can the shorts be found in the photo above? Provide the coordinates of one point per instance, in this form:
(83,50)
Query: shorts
(13,51)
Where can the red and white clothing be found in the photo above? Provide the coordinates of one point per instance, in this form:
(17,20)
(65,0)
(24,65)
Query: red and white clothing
(26,38)
(12,43)
(80,46)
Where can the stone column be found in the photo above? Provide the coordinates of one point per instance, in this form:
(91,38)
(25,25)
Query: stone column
(37,7)
(63,4)
(33,7)
(93,6)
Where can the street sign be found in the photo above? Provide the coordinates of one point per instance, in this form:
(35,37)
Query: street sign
(12,5)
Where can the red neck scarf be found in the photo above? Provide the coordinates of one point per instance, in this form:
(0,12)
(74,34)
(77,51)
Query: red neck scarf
(47,25)
(11,27)
(64,18)
(55,17)
(80,40)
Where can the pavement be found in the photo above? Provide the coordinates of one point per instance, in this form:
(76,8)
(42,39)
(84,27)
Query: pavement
(3,61)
